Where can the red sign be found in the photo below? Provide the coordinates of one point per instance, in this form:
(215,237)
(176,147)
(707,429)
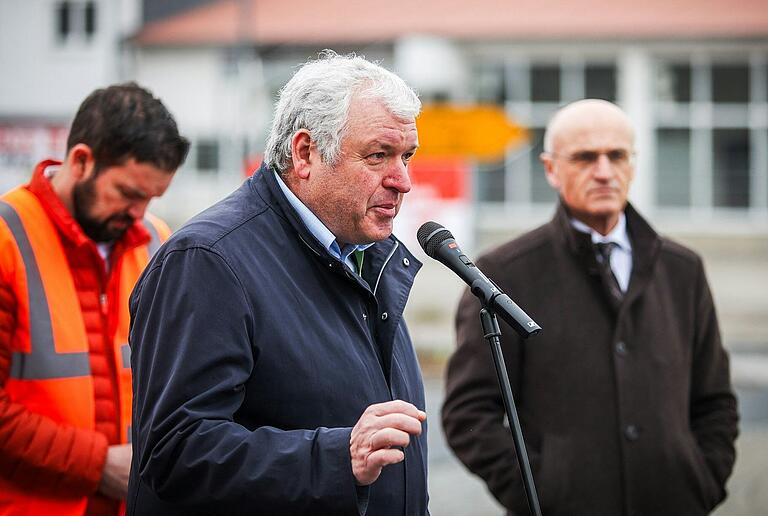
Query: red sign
(440,178)
(23,146)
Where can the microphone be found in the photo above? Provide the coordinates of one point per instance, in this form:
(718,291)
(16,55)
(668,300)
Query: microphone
(439,244)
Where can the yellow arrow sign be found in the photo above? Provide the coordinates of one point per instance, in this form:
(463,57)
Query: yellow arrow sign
(481,132)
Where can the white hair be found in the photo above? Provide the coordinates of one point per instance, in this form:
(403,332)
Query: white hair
(317,99)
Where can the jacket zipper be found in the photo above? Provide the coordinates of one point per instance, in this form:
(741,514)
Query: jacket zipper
(109,346)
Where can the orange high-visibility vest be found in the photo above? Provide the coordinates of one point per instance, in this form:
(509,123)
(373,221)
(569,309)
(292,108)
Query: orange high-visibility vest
(50,367)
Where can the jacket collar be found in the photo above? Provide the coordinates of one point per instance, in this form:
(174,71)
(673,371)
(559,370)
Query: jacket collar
(65,222)
(646,245)
(577,242)
(645,240)
(264,183)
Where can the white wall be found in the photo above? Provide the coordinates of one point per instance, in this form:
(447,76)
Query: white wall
(206,92)
(432,66)
(187,80)
(45,78)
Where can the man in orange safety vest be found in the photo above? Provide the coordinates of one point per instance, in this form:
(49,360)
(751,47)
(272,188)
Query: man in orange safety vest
(73,242)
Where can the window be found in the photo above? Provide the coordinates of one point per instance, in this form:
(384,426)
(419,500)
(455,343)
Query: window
(761,197)
(75,20)
(673,150)
(730,83)
(490,84)
(207,155)
(90,19)
(764,74)
(545,84)
(673,82)
(708,146)
(707,133)
(600,82)
(62,20)
(731,167)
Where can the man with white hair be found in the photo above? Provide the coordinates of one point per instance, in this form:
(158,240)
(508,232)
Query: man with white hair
(273,371)
(625,397)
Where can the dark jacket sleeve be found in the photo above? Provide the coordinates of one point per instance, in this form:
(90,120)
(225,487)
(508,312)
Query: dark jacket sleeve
(714,418)
(192,355)
(36,452)
(473,413)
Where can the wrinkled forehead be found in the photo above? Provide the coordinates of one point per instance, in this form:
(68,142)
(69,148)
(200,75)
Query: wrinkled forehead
(372,119)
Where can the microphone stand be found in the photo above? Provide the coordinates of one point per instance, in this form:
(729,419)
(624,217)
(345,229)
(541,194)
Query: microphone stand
(492,332)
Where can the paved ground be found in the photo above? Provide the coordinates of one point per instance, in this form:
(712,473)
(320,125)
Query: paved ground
(455,492)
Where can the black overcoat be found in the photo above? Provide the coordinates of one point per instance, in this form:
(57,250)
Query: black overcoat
(626,410)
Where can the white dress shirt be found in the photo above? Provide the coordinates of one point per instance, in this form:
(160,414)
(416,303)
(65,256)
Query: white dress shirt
(621,257)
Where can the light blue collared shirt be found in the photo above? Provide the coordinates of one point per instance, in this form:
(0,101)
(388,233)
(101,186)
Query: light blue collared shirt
(621,257)
(320,231)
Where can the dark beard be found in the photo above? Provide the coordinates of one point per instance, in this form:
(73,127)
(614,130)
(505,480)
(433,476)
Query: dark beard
(99,231)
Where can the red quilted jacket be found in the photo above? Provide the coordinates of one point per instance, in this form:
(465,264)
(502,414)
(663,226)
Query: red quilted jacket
(36,449)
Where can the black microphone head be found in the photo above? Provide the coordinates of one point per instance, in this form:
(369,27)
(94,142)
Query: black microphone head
(431,235)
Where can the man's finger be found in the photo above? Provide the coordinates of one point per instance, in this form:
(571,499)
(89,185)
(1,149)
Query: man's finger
(385,457)
(397,406)
(399,421)
(387,437)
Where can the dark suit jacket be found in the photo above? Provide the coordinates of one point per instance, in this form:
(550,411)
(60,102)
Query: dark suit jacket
(625,410)
(254,352)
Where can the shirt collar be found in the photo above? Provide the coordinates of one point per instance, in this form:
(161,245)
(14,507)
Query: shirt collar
(316,226)
(618,234)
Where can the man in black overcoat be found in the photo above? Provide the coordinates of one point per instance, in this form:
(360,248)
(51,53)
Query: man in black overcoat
(625,397)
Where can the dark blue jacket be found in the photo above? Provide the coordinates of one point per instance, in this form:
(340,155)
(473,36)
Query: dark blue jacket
(254,352)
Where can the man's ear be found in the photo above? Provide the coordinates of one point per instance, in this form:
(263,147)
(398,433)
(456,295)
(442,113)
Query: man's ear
(80,161)
(301,153)
(549,170)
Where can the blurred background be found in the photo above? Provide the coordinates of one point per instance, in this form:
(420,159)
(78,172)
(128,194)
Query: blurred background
(692,74)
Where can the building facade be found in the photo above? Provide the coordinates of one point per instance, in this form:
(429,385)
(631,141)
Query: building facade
(692,75)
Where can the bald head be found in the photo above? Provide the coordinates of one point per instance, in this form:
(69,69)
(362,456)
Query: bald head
(585,115)
(588,149)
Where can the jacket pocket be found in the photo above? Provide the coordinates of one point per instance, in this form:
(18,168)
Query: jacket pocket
(700,474)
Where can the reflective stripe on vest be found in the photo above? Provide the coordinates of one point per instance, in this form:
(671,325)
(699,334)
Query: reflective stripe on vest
(125,354)
(43,362)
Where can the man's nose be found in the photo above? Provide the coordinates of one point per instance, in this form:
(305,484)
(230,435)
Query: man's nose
(603,168)
(398,178)
(137,209)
